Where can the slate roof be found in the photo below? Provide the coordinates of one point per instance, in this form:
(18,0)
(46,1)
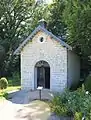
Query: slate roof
(39,28)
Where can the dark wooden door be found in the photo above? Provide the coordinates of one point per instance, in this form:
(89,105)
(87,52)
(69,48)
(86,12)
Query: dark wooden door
(40,76)
(47,77)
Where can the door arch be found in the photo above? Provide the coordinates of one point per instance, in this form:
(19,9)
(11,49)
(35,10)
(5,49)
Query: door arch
(42,74)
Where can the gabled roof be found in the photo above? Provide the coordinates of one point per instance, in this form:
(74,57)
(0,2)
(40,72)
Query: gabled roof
(39,28)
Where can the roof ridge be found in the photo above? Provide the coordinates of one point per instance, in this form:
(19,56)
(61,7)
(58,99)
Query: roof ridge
(64,44)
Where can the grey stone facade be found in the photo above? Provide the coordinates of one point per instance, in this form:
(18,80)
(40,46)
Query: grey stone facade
(50,51)
(42,45)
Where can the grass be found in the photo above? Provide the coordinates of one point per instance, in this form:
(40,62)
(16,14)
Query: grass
(10,88)
(13,84)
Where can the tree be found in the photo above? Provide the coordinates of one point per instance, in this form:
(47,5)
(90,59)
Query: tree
(68,19)
(77,16)
(17,20)
(42,12)
(71,19)
(14,15)
(56,23)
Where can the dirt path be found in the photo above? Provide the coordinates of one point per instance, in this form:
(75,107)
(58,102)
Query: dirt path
(19,108)
(36,110)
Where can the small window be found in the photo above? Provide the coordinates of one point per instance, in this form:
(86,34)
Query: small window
(41,39)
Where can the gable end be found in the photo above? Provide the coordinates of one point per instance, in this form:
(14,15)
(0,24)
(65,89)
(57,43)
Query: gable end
(39,28)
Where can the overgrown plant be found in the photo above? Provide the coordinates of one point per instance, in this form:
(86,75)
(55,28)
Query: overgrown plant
(15,79)
(76,103)
(58,107)
(88,83)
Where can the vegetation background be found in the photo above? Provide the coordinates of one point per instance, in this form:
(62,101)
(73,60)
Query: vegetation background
(68,19)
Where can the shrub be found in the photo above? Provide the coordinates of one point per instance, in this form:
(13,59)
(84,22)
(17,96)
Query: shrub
(5,95)
(16,79)
(88,83)
(3,83)
(78,116)
(76,103)
(57,106)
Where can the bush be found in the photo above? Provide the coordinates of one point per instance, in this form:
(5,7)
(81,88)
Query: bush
(15,79)
(5,95)
(3,83)
(88,83)
(57,106)
(76,103)
(78,116)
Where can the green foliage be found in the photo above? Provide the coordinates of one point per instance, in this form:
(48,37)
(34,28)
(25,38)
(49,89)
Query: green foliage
(3,83)
(88,83)
(5,94)
(17,20)
(15,79)
(68,19)
(14,18)
(78,116)
(42,12)
(77,17)
(71,20)
(56,23)
(58,107)
(76,103)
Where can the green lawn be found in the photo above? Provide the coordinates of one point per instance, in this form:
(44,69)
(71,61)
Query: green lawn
(13,84)
(10,88)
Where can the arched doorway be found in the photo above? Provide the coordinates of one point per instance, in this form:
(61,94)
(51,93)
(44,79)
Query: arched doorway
(42,74)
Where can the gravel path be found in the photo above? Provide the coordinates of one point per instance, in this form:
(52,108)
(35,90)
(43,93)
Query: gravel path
(19,108)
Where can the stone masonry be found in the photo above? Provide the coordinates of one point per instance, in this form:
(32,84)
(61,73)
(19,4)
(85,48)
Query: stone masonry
(50,51)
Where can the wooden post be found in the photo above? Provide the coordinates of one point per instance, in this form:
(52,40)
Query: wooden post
(40,88)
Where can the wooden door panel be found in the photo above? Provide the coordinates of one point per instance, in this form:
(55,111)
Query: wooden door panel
(47,77)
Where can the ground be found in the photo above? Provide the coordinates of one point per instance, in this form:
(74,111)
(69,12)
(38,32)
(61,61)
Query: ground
(36,110)
(21,107)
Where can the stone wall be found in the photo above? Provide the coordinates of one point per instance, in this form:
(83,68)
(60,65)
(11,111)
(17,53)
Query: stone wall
(50,51)
(73,69)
